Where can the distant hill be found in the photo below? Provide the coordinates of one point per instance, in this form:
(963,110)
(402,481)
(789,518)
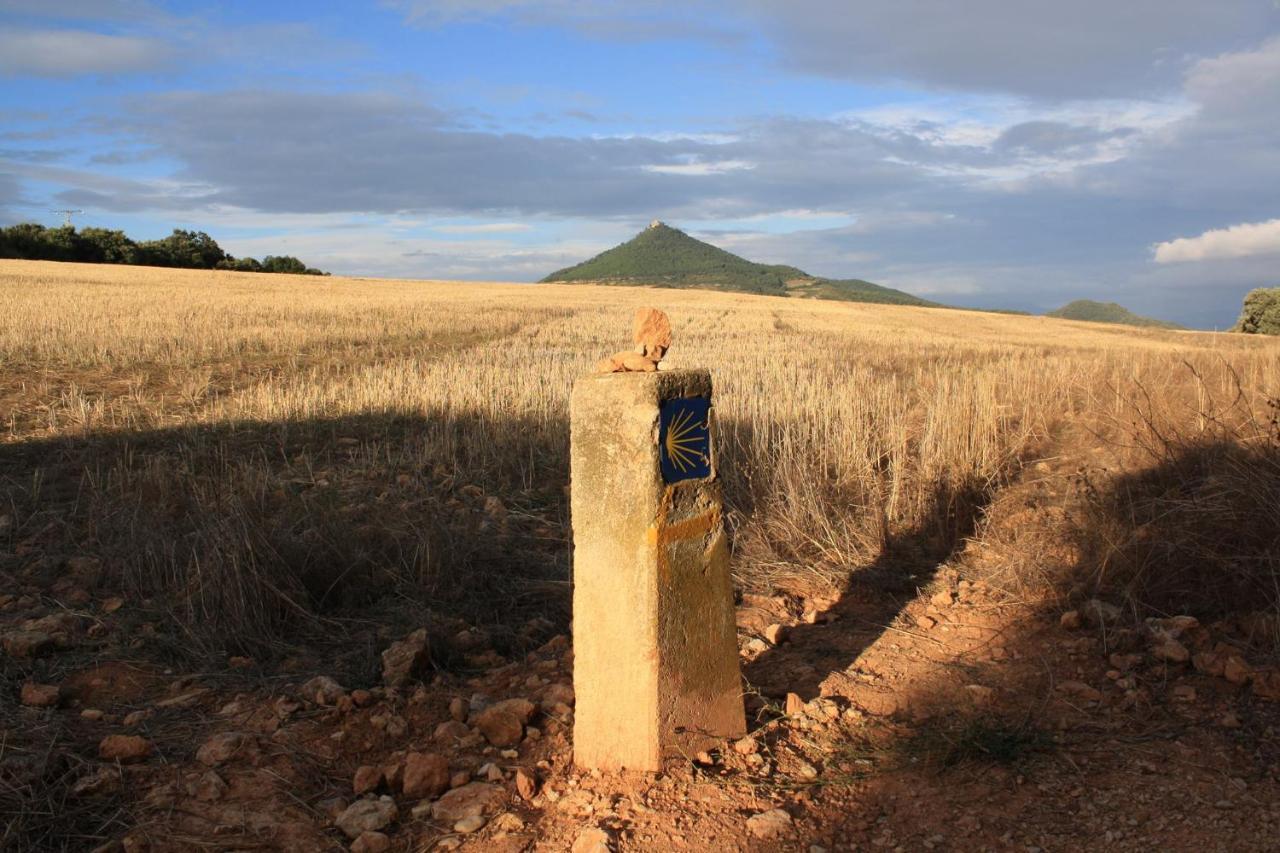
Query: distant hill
(1107,312)
(662,256)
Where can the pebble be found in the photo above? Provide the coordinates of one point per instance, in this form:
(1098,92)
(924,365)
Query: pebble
(471,799)
(371,842)
(771,824)
(468,825)
(592,840)
(1170,650)
(367,815)
(126,749)
(426,774)
(40,695)
(526,784)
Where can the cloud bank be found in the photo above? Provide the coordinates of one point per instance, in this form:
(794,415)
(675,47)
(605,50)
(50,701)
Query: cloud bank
(1238,241)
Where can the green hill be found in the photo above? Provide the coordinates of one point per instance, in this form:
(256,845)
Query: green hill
(1106,312)
(662,256)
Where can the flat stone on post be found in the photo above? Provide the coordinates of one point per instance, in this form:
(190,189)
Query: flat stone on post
(655,642)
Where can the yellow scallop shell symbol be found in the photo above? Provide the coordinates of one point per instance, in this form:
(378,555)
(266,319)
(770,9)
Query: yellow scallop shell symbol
(683,441)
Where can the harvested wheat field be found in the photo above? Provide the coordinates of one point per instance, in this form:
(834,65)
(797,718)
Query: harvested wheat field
(1002,582)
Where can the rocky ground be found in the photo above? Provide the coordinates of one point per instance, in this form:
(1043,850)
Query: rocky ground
(919,709)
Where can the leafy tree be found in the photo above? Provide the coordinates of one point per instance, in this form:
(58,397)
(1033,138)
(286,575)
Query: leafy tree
(22,240)
(186,249)
(1261,315)
(283,263)
(103,246)
(241,264)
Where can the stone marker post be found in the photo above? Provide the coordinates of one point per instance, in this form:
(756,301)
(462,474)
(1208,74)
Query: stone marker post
(655,643)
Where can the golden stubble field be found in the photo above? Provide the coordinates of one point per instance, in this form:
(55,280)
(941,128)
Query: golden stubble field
(958,538)
(269,447)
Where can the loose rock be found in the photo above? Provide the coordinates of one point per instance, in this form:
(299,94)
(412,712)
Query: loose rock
(526,784)
(221,748)
(40,695)
(502,724)
(651,331)
(774,823)
(26,644)
(468,825)
(126,749)
(367,779)
(371,842)
(367,816)
(592,840)
(209,787)
(405,659)
(322,690)
(1170,650)
(426,774)
(474,798)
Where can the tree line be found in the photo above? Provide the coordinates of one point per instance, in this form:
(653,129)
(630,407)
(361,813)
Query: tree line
(184,249)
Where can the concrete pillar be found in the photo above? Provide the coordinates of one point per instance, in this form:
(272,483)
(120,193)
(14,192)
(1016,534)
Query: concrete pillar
(655,643)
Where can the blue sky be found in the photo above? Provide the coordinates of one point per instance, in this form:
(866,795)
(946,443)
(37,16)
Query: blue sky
(997,154)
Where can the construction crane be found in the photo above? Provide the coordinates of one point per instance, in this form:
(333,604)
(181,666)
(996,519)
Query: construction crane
(67,214)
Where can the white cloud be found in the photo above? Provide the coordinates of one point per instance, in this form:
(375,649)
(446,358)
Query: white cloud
(1238,241)
(714,167)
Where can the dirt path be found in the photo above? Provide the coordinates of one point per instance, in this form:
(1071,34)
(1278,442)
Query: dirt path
(919,710)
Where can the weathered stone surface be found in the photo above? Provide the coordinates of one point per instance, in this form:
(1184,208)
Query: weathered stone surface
(40,695)
(221,748)
(655,642)
(627,361)
(367,778)
(126,749)
(1171,651)
(526,784)
(27,644)
(322,690)
(502,724)
(209,787)
(405,659)
(367,816)
(592,840)
(426,774)
(468,825)
(651,330)
(371,842)
(450,731)
(1236,670)
(558,693)
(475,798)
(772,824)
(103,780)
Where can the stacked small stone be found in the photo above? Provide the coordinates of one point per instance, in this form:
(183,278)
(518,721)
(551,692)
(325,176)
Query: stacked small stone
(651,331)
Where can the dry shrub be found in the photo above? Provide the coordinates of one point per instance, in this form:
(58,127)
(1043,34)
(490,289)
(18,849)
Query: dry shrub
(1193,524)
